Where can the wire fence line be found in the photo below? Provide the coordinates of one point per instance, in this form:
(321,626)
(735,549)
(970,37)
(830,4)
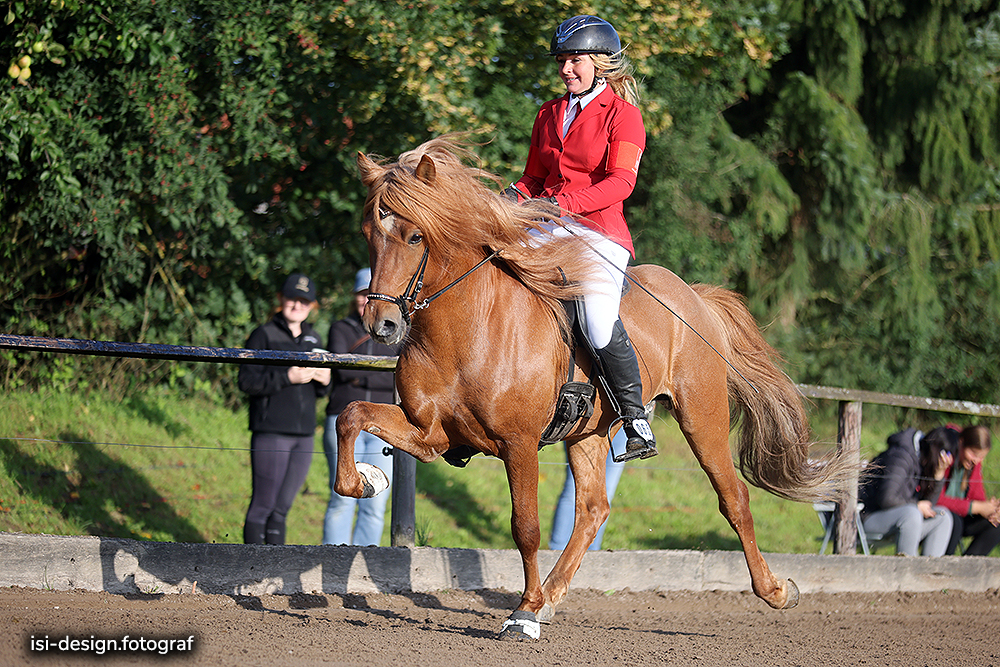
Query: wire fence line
(694,469)
(404,469)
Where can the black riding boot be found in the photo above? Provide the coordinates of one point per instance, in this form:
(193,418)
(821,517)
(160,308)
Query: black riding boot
(621,373)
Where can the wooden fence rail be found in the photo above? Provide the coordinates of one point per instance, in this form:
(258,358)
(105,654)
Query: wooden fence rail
(403,518)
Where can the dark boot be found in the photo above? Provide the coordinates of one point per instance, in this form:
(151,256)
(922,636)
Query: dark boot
(275,533)
(253,533)
(620,369)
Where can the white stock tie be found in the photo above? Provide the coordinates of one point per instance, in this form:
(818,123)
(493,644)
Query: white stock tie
(571,113)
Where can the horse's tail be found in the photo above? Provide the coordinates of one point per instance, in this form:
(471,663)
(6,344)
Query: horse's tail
(774,437)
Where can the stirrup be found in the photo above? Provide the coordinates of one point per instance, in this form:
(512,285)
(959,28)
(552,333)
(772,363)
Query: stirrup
(640,442)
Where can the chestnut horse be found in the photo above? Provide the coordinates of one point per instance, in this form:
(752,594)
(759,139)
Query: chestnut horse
(459,275)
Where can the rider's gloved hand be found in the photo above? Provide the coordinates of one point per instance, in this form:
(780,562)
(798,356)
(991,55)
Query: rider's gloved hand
(513,194)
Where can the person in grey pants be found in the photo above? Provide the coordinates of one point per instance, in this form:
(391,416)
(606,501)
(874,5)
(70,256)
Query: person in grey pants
(897,495)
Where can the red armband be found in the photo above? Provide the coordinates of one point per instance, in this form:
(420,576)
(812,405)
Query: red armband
(624,155)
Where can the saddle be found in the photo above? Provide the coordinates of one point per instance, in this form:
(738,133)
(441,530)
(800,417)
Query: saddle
(576,399)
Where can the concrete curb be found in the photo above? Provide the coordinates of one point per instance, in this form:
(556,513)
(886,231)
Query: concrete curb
(126,566)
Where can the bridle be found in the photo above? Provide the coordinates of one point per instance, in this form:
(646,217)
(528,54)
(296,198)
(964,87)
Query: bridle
(407,301)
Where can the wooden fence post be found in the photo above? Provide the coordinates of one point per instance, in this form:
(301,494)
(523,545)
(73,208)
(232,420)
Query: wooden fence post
(404,495)
(403,521)
(849,444)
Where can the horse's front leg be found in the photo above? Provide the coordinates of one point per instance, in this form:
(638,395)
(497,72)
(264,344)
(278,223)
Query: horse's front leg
(387,422)
(522,476)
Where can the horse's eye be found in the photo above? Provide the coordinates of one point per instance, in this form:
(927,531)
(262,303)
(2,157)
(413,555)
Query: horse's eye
(415,238)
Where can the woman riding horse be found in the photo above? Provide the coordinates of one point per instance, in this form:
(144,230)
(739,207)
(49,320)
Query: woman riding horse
(584,157)
(457,277)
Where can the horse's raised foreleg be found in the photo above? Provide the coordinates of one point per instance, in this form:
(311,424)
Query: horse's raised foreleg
(710,445)
(587,463)
(522,476)
(387,422)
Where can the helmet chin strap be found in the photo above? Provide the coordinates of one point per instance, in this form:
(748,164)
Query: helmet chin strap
(596,82)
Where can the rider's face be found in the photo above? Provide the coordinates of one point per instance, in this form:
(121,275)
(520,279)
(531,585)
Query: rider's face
(576,71)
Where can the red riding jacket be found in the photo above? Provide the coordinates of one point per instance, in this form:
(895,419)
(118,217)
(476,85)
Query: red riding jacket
(593,169)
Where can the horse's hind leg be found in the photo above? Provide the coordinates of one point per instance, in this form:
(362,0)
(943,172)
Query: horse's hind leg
(710,443)
(587,462)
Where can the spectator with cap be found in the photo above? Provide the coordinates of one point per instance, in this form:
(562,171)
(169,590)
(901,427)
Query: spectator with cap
(348,336)
(282,411)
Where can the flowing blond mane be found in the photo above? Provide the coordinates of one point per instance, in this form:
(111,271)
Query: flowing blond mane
(462,214)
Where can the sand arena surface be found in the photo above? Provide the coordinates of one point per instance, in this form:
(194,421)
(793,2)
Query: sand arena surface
(458,628)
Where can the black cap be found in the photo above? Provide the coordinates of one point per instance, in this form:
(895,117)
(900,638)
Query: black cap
(299,286)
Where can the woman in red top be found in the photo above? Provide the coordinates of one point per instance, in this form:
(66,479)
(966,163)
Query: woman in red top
(584,157)
(963,494)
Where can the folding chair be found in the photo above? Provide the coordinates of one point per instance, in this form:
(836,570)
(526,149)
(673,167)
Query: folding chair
(827,512)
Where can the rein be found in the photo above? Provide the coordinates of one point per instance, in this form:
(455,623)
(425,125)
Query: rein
(409,297)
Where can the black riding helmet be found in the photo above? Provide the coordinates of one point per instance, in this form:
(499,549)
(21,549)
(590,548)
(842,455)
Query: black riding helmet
(585,34)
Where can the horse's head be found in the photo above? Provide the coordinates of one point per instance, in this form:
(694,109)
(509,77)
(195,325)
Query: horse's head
(431,218)
(397,248)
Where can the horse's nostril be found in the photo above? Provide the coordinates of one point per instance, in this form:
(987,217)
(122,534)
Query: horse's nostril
(386,328)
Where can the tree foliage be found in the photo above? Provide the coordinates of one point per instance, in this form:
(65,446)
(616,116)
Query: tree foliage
(890,116)
(164,165)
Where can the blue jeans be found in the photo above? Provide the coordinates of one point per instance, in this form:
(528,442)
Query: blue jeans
(341,510)
(565,516)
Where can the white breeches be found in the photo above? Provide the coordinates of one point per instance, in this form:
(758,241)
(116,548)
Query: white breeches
(603,290)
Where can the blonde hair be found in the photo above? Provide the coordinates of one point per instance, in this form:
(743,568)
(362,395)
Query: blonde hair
(619,72)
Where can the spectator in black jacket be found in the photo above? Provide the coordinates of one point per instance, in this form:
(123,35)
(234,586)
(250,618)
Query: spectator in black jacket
(348,336)
(282,412)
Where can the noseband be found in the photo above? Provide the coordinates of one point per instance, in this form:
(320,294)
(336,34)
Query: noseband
(409,297)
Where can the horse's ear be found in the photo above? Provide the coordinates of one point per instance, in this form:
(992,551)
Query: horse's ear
(370,171)
(426,171)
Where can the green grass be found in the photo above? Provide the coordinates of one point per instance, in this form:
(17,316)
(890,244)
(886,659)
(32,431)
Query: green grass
(164,468)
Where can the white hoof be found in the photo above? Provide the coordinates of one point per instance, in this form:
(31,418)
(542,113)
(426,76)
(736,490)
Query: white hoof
(375,480)
(546,613)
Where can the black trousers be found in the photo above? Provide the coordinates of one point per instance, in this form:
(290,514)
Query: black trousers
(280,464)
(985,536)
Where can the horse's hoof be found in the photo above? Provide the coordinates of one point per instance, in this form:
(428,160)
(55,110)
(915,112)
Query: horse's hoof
(546,613)
(792,598)
(375,480)
(520,625)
